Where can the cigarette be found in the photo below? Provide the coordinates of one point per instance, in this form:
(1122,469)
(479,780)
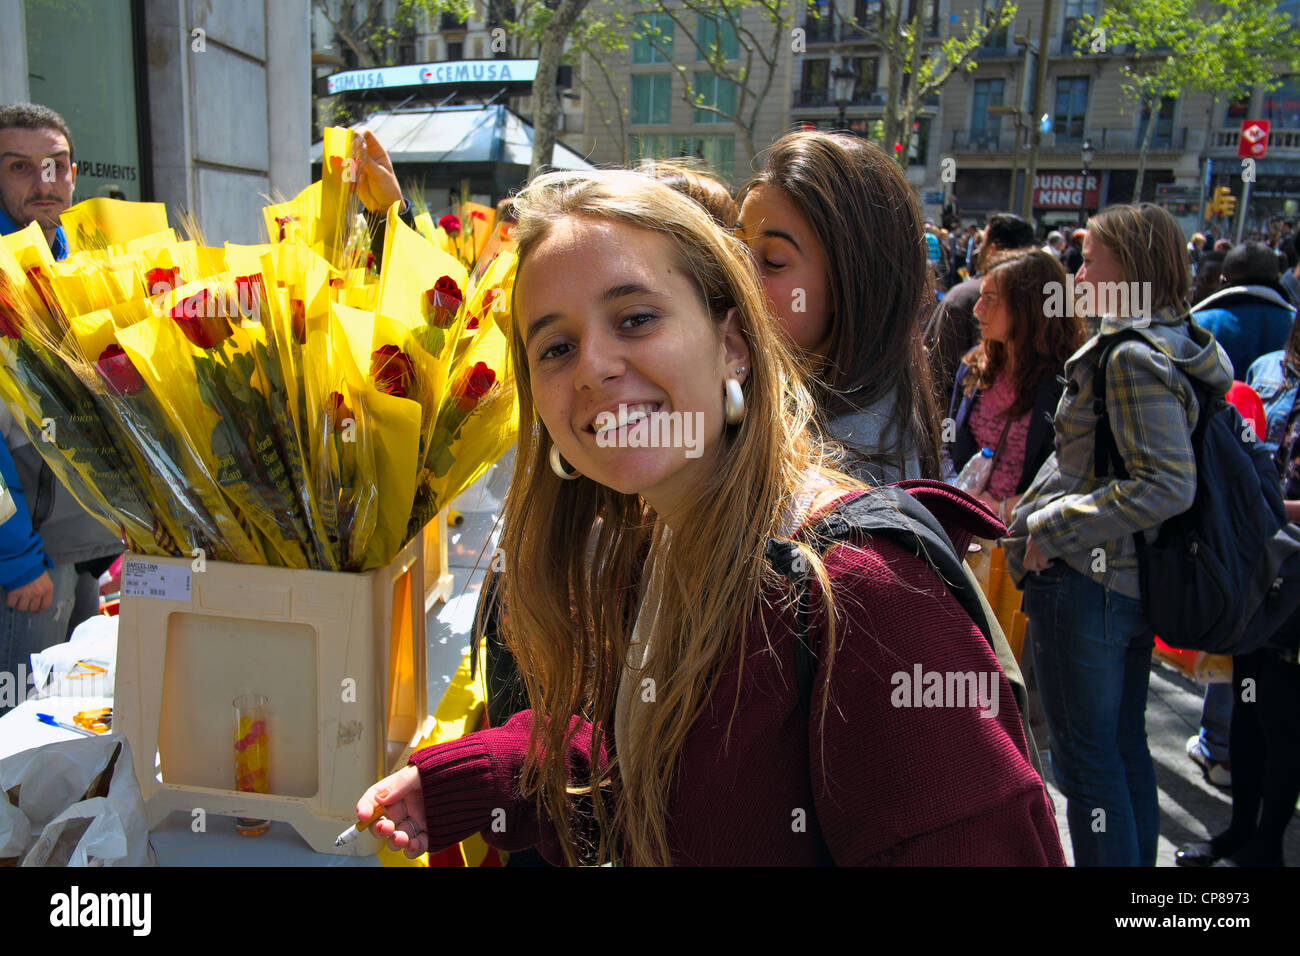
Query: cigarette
(354,831)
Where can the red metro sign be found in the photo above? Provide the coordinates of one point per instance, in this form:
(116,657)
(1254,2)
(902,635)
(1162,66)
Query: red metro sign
(1254,139)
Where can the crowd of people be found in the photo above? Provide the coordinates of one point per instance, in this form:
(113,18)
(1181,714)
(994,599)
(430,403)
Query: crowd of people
(717,660)
(866,380)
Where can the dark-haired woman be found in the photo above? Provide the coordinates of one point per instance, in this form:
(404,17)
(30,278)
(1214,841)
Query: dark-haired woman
(1007,387)
(837,237)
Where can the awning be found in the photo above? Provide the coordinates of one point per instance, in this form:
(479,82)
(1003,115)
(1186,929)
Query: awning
(459,134)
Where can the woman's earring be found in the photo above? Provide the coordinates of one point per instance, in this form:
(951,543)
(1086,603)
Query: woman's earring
(734,401)
(557,465)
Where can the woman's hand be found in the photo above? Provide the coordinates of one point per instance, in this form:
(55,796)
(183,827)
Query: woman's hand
(403,825)
(1034,559)
(377,185)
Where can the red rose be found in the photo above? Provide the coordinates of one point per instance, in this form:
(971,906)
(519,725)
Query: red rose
(298,320)
(475,214)
(43,290)
(444,301)
(473,384)
(450,224)
(161,281)
(11,310)
(283,221)
(250,295)
(336,409)
(392,371)
(200,320)
(472,323)
(116,368)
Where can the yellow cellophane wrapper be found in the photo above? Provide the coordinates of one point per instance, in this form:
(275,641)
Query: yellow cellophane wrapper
(338,186)
(98,222)
(191,507)
(426,227)
(479,228)
(393,426)
(469,435)
(228,426)
(295,220)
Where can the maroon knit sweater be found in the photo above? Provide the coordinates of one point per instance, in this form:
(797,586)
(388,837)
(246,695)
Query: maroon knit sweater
(889,785)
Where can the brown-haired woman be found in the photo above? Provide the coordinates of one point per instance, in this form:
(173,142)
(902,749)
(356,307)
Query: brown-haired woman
(1073,532)
(689,180)
(1008,386)
(837,236)
(665,723)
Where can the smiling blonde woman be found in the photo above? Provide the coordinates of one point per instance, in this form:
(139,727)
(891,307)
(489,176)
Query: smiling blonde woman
(654,638)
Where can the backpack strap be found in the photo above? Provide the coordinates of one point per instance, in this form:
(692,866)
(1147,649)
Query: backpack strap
(888,512)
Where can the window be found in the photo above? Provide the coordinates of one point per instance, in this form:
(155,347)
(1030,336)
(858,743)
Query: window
(1237,110)
(716,151)
(1282,105)
(868,70)
(1074,12)
(650,98)
(500,12)
(455,49)
(478,48)
(814,83)
(866,14)
(406,50)
(1071,104)
(984,129)
(929,16)
(717,32)
(715,91)
(820,20)
(643,51)
(1164,131)
(994,39)
(919,146)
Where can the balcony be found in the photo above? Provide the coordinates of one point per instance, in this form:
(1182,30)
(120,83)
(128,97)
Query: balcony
(810,99)
(1227,139)
(981,141)
(449,23)
(1123,140)
(820,31)
(1005,50)
(815,99)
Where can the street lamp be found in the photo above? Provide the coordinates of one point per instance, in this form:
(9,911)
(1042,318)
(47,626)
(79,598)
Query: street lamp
(1087,155)
(844,78)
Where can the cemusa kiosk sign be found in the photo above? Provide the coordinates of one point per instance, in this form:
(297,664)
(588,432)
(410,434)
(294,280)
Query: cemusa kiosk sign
(453,73)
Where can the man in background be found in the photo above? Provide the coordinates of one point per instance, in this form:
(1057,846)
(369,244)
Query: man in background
(50,566)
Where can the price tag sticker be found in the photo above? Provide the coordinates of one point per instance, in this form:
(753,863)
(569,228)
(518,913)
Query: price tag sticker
(151,580)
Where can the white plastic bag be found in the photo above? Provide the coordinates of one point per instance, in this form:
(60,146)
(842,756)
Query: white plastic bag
(76,816)
(83,666)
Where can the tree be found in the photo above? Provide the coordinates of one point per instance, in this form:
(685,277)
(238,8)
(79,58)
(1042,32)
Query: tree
(751,69)
(1225,47)
(917,70)
(554,27)
(366,29)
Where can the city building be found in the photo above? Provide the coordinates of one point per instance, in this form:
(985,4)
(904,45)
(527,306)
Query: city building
(204,107)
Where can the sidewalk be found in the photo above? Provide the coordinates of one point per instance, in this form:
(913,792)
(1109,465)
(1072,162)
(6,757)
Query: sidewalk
(1190,809)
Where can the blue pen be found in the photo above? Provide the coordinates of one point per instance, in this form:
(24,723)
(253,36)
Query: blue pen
(49,719)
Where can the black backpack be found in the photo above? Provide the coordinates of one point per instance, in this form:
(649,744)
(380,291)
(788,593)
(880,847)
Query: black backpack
(1224,576)
(890,512)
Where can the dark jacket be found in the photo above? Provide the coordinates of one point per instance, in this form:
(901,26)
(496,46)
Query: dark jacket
(1038,444)
(1247,320)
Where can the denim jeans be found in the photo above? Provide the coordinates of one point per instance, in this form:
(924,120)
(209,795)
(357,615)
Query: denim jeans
(1092,655)
(23,634)
(1216,718)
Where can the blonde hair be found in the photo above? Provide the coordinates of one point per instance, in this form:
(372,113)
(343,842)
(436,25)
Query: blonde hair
(569,610)
(688,178)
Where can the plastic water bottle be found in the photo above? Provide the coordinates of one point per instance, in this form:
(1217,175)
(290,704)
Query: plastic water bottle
(974,477)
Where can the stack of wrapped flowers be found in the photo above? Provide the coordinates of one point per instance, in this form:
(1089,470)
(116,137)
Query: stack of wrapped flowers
(286,404)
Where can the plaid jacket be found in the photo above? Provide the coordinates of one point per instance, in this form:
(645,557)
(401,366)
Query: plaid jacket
(1087,523)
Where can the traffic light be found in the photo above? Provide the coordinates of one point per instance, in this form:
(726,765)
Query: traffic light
(1225,203)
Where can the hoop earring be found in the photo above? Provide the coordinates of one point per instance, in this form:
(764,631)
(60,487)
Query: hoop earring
(557,465)
(733,402)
